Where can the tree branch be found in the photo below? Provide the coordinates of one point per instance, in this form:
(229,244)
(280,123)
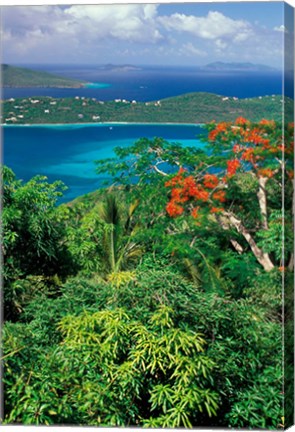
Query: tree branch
(261,195)
(262,257)
(159,171)
(291,262)
(225,225)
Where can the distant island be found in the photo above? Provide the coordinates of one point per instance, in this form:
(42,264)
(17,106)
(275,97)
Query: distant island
(188,108)
(119,68)
(13,76)
(250,67)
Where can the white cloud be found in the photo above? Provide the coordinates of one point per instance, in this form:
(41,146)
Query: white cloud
(281,28)
(213,26)
(188,49)
(241,37)
(133,22)
(104,33)
(88,23)
(56,33)
(220,44)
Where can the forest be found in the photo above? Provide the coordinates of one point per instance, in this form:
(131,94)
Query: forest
(157,300)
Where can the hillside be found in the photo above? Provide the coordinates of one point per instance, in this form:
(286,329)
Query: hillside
(13,76)
(188,108)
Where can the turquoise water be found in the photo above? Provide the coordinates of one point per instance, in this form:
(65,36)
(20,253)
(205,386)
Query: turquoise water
(97,85)
(68,152)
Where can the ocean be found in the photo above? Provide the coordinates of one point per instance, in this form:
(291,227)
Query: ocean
(153,83)
(68,152)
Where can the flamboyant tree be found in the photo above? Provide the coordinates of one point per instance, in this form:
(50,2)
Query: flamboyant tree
(247,186)
(242,180)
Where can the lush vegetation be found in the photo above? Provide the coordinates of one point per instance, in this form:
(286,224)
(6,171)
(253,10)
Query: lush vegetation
(155,302)
(13,76)
(188,108)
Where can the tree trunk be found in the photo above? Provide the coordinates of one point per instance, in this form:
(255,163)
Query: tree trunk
(261,195)
(262,257)
(225,225)
(112,249)
(237,246)
(291,262)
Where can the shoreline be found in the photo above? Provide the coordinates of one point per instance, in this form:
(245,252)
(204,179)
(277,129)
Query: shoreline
(102,124)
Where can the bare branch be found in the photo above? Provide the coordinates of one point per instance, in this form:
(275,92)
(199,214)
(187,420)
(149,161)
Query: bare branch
(261,195)
(224,223)
(262,257)
(159,171)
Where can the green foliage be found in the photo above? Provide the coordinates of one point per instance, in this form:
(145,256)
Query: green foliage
(110,369)
(265,290)
(278,239)
(119,249)
(84,234)
(146,159)
(261,405)
(238,271)
(32,234)
(118,360)
(289,349)
(186,334)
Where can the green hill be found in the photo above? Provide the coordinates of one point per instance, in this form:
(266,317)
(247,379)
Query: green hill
(13,76)
(188,108)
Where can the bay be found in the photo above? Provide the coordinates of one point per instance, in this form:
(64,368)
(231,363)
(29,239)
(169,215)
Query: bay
(68,152)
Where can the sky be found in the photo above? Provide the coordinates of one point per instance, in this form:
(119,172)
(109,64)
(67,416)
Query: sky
(188,34)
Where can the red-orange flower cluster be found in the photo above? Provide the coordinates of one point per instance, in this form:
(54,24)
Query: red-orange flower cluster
(174,209)
(256,147)
(195,212)
(177,179)
(212,135)
(216,210)
(240,121)
(265,172)
(254,136)
(265,122)
(248,155)
(232,166)
(219,196)
(237,148)
(183,190)
(210,181)
(220,127)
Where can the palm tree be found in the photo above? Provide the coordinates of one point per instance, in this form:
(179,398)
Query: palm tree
(119,248)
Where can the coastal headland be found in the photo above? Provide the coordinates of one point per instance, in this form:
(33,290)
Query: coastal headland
(15,77)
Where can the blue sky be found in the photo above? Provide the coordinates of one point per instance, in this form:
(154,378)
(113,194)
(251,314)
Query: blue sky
(159,34)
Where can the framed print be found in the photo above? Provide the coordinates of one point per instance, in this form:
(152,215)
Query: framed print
(147,215)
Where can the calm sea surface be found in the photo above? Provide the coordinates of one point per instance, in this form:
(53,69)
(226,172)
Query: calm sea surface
(153,83)
(68,152)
